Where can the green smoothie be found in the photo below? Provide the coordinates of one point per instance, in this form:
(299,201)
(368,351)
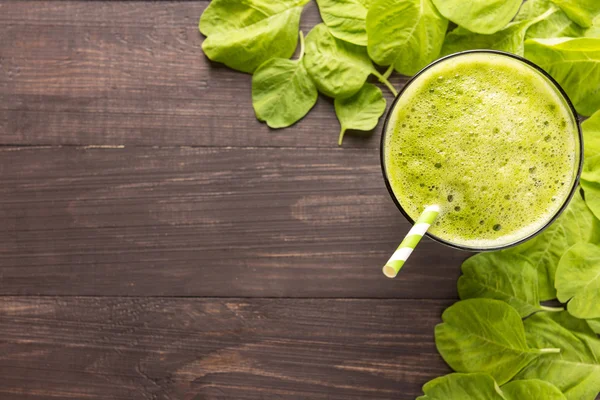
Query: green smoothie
(491,141)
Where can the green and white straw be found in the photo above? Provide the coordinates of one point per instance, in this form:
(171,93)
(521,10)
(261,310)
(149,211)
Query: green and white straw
(397,260)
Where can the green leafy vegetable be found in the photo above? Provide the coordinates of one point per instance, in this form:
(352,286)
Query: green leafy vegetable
(510,39)
(360,111)
(576,224)
(594,325)
(485,335)
(592,193)
(462,387)
(223,16)
(407,34)
(591,135)
(594,31)
(282,91)
(243,35)
(591,170)
(502,276)
(346,19)
(590,182)
(479,386)
(532,389)
(578,280)
(480,16)
(590,177)
(576,370)
(556,24)
(571,62)
(582,12)
(338,68)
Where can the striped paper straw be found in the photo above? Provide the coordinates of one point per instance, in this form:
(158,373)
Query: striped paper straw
(397,260)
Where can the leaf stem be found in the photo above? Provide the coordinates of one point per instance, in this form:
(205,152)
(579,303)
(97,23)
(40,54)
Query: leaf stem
(301,45)
(549,351)
(387,83)
(341,138)
(551,309)
(388,72)
(553,9)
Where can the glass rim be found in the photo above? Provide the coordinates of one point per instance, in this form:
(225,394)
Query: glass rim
(576,179)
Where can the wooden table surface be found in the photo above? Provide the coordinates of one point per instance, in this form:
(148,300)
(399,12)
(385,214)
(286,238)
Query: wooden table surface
(158,242)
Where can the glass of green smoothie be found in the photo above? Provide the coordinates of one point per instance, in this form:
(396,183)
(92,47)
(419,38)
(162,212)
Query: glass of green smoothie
(492,140)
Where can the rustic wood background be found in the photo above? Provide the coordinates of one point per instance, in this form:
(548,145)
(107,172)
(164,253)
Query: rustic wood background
(158,242)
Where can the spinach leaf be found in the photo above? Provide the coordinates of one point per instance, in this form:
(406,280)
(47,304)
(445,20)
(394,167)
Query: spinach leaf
(591,170)
(556,24)
(576,224)
(480,16)
(591,135)
(594,30)
(576,370)
(282,91)
(590,182)
(592,194)
(338,68)
(581,11)
(346,19)
(571,62)
(479,386)
(485,335)
(578,280)
(222,16)
(532,389)
(594,325)
(590,177)
(243,35)
(407,34)
(510,39)
(502,276)
(462,387)
(360,111)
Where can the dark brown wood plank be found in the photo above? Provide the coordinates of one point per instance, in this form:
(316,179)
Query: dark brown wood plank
(211,349)
(133,73)
(207,222)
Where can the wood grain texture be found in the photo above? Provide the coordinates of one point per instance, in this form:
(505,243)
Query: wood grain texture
(207,222)
(211,349)
(133,73)
(127,212)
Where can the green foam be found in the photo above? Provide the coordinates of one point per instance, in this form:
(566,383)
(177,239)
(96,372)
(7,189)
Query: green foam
(490,140)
